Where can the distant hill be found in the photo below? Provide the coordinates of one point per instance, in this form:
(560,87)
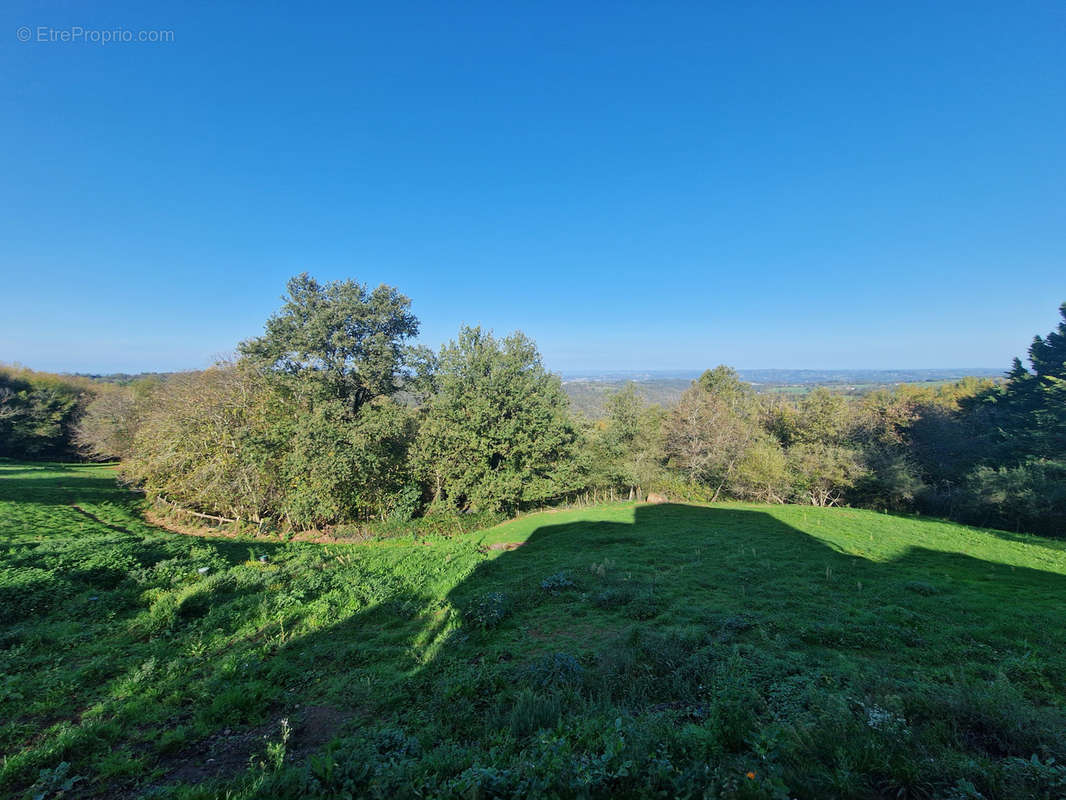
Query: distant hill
(588,391)
(122,377)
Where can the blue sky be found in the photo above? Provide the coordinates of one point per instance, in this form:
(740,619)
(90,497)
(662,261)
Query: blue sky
(635,185)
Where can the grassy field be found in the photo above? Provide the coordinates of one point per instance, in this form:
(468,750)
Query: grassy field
(666,651)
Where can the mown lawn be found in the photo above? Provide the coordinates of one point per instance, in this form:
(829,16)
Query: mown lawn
(668,651)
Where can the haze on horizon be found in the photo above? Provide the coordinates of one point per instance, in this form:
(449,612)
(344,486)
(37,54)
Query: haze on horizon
(635,187)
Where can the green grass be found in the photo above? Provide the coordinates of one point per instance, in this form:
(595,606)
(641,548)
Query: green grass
(620,651)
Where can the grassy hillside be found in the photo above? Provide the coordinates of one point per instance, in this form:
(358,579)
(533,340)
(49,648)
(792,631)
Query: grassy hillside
(725,651)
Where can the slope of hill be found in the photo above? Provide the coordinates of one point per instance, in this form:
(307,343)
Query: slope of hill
(624,650)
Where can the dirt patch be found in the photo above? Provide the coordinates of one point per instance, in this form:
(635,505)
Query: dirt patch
(317,726)
(502,546)
(228,753)
(221,756)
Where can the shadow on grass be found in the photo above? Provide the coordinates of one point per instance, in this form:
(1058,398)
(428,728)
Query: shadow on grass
(720,554)
(724,576)
(631,606)
(1046,542)
(717,574)
(61,484)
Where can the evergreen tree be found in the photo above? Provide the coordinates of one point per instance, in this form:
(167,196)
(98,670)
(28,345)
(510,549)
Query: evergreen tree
(38,411)
(1048,355)
(1029,412)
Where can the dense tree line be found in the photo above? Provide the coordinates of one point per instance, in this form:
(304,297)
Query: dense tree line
(981,451)
(38,413)
(332,416)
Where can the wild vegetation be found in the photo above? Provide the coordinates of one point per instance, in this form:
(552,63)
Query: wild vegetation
(331,417)
(38,413)
(623,650)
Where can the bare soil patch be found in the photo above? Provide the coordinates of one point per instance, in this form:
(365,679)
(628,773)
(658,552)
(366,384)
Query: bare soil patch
(230,752)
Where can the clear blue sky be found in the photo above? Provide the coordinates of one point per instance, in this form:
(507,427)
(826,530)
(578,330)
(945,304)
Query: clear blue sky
(635,185)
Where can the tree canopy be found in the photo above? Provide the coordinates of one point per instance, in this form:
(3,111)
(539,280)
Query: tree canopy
(337,340)
(331,416)
(495,434)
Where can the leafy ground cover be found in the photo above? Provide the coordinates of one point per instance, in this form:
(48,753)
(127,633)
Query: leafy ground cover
(622,650)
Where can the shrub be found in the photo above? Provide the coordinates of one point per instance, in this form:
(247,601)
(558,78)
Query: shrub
(489,610)
(528,712)
(1030,496)
(557,583)
(437,522)
(643,608)
(54,782)
(557,670)
(614,596)
(393,742)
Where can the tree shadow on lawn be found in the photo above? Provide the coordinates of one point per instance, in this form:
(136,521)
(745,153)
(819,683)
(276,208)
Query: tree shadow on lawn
(720,577)
(62,484)
(97,501)
(1055,545)
(72,611)
(724,576)
(728,560)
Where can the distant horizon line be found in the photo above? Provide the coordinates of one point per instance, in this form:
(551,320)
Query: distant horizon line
(607,373)
(683,372)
